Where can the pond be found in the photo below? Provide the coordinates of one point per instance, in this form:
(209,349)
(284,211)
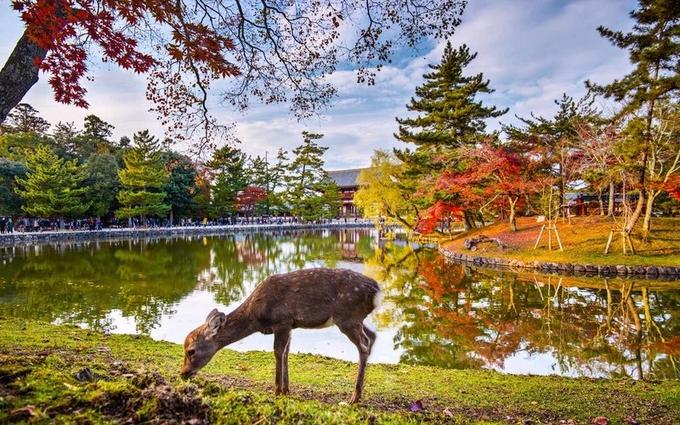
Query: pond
(435,312)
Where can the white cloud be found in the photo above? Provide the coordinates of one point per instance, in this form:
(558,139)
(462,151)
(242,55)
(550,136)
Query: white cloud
(532,52)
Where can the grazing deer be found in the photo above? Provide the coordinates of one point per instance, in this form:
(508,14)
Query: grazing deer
(313,298)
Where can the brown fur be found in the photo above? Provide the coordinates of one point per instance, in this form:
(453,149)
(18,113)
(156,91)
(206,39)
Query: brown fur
(308,298)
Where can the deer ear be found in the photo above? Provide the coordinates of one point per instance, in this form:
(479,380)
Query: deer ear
(211,314)
(215,320)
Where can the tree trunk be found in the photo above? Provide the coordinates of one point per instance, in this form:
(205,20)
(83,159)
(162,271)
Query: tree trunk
(19,74)
(171,217)
(513,221)
(637,213)
(647,221)
(601,201)
(612,193)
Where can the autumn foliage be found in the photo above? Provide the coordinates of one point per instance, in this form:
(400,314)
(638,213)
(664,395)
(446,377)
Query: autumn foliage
(62,26)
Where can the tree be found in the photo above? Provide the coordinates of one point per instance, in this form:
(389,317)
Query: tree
(277,179)
(663,159)
(557,137)
(492,174)
(16,146)
(102,183)
(379,193)
(654,50)
(271,51)
(449,113)
(53,187)
(449,116)
(248,198)
(306,181)
(181,184)
(10,202)
(25,119)
(228,164)
(142,179)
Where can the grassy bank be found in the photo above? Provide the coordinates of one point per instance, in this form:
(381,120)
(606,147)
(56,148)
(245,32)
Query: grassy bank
(62,373)
(583,240)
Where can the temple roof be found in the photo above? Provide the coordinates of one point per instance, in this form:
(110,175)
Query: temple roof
(345,178)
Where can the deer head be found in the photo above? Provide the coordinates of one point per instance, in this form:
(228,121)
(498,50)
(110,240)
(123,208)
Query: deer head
(201,345)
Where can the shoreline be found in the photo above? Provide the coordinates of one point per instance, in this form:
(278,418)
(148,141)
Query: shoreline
(566,269)
(29,238)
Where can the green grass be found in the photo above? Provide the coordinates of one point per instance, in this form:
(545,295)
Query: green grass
(135,378)
(583,240)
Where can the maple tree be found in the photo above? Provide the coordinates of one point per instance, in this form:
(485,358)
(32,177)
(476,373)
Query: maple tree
(492,176)
(277,51)
(249,197)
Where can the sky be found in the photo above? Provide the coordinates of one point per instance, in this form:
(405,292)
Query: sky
(531,50)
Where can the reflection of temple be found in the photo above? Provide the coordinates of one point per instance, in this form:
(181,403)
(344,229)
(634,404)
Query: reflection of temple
(347,182)
(349,244)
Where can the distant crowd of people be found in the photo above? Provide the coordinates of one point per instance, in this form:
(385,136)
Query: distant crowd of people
(7,225)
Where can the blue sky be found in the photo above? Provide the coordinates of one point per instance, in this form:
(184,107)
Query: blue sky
(531,50)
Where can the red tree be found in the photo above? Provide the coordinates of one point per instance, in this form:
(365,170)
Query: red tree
(491,176)
(249,197)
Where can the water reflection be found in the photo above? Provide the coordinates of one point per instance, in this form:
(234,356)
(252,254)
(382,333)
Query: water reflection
(436,312)
(455,316)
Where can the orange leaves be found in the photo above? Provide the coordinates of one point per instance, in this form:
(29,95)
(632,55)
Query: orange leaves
(65,28)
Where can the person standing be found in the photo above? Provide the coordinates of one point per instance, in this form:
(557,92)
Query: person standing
(10,225)
(2,225)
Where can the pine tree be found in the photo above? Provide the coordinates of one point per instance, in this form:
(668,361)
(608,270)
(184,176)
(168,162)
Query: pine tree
(654,50)
(53,187)
(10,202)
(449,116)
(305,178)
(181,184)
(229,166)
(142,179)
(25,119)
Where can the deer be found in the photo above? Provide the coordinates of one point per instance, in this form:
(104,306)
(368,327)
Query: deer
(311,299)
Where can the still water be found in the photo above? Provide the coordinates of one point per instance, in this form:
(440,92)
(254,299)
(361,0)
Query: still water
(434,313)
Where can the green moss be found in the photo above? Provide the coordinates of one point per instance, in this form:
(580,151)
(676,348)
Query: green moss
(136,378)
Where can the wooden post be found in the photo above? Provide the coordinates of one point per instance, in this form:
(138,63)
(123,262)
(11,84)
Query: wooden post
(609,242)
(540,234)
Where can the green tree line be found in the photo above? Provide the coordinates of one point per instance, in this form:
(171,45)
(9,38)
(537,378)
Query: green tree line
(72,173)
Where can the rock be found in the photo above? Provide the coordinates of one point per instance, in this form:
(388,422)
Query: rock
(579,268)
(651,271)
(622,270)
(471,243)
(600,420)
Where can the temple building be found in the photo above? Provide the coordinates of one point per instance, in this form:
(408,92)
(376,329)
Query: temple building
(347,182)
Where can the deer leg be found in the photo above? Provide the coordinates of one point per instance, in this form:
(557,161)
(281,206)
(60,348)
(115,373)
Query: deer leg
(281,339)
(371,336)
(355,333)
(285,367)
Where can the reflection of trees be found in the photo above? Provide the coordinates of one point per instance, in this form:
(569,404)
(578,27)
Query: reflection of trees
(84,283)
(241,261)
(458,317)
(144,279)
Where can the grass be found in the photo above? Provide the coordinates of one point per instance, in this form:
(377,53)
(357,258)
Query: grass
(583,240)
(133,378)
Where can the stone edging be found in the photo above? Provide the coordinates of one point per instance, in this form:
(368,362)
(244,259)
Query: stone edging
(649,272)
(116,234)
